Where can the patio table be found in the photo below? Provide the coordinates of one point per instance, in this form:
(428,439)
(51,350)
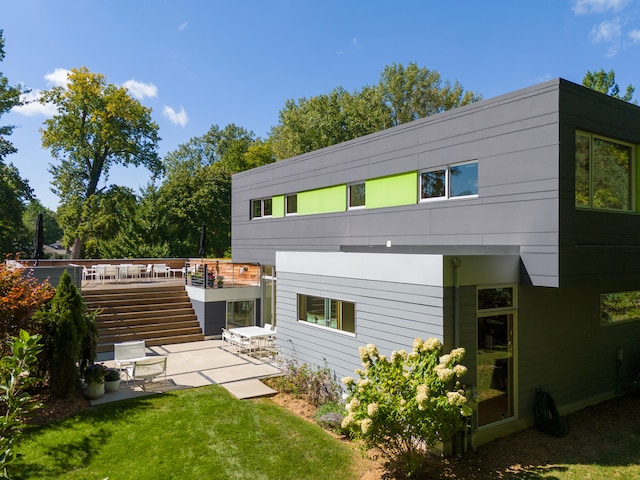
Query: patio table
(255,335)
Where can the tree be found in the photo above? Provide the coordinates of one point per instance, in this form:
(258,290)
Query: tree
(14,191)
(9,98)
(605,82)
(98,125)
(69,337)
(325,120)
(413,92)
(197,190)
(402,95)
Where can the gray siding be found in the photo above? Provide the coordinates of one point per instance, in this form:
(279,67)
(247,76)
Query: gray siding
(389,315)
(513,137)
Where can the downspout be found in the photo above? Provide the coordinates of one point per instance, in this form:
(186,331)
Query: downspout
(456,302)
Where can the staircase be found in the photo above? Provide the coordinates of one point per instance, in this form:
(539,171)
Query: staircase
(160,315)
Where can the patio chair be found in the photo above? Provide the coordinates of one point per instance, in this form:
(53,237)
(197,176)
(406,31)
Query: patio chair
(147,369)
(227,339)
(125,353)
(161,269)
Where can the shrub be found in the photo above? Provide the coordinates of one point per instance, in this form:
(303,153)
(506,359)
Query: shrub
(21,295)
(318,384)
(70,337)
(95,373)
(408,403)
(15,378)
(111,375)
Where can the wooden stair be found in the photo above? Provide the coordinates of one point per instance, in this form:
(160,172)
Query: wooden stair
(160,315)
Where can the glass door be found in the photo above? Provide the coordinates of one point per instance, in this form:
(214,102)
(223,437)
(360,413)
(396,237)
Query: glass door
(495,354)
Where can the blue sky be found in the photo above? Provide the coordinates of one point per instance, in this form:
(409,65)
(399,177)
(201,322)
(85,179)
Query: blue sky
(210,62)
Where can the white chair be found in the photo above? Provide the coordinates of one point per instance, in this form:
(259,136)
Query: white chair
(227,339)
(88,273)
(267,326)
(147,369)
(126,352)
(161,269)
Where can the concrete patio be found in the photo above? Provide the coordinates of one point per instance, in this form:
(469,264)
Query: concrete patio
(197,364)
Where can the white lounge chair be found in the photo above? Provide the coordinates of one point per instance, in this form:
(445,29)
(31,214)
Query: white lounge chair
(147,369)
(125,353)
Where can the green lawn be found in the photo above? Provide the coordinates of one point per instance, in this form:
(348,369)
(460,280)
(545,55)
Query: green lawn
(201,433)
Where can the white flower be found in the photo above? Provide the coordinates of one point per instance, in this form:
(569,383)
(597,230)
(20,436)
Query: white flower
(372,409)
(456,399)
(398,355)
(460,370)
(457,354)
(432,344)
(444,374)
(417,344)
(366,424)
(445,359)
(347,380)
(347,421)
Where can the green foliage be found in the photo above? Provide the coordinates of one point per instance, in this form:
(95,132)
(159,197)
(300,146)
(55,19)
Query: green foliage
(605,82)
(408,403)
(14,193)
(317,384)
(52,231)
(9,98)
(98,125)
(412,92)
(70,338)
(402,95)
(111,375)
(15,379)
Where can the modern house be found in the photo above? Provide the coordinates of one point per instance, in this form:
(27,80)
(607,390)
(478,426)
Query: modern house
(509,227)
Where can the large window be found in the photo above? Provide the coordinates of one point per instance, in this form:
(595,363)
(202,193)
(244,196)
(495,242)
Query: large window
(327,312)
(619,307)
(356,195)
(604,173)
(261,207)
(240,313)
(449,182)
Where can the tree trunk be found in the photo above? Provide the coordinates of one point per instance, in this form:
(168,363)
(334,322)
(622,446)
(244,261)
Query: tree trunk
(76,249)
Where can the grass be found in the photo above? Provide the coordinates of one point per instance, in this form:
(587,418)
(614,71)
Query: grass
(189,434)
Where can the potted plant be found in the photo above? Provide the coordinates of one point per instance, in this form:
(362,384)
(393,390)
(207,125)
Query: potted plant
(94,378)
(220,281)
(111,380)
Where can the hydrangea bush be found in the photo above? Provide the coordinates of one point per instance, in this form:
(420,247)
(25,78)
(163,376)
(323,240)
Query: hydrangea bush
(407,403)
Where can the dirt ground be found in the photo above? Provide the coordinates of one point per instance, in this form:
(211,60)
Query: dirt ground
(527,454)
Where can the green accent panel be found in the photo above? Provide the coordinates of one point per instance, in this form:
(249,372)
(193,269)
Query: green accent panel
(277,206)
(324,200)
(392,191)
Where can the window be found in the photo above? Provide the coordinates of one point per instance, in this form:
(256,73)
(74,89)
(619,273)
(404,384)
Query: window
(291,201)
(327,312)
(619,307)
(240,313)
(449,182)
(356,192)
(495,297)
(604,173)
(261,208)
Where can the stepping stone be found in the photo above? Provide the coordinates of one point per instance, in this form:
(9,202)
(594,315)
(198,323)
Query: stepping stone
(249,389)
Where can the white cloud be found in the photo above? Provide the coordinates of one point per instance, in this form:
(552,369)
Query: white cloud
(177,118)
(33,107)
(59,77)
(140,90)
(634,36)
(607,31)
(583,7)
(182,26)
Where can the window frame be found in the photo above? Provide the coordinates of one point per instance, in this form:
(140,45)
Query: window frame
(325,322)
(350,206)
(263,207)
(592,180)
(448,181)
(286,204)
